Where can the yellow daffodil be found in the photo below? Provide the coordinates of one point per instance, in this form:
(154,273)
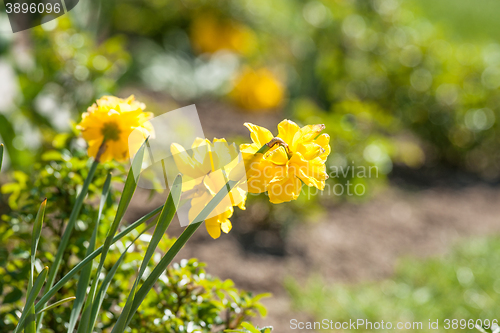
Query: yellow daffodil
(210,34)
(297,156)
(258,90)
(205,171)
(108,123)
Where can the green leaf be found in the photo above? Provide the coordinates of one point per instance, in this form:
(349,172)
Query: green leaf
(83,281)
(127,193)
(30,301)
(1,156)
(102,292)
(45,298)
(126,197)
(250,327)
(179,243)
(56,304)
(67,233)
(166,216)
(35,238)
(121,324)
(261,308)
(261,296)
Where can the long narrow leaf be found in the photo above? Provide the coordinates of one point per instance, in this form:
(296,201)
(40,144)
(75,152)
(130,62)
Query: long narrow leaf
(127,193)
(90,313)
(1,156)
(176,247)
(37,286)
(67,233)
(84,280)
(46,297)
(56,304)
(126,197)
(121,324)
(166,216)
(35,238)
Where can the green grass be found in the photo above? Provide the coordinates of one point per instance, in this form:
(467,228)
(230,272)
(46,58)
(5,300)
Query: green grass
(472,20)
(465,284)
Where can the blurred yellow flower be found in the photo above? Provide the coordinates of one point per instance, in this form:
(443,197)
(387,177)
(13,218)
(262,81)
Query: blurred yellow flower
(203,177)
(299,155)
(258,90)
(108,123)
(210,34)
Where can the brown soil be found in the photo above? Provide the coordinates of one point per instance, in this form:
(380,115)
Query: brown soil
(353,242)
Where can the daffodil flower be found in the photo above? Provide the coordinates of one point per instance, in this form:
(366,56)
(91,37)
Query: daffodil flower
(108,123)
(258,90)
(296,156)
(205,169)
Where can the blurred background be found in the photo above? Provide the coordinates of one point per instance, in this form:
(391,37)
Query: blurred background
(409,88)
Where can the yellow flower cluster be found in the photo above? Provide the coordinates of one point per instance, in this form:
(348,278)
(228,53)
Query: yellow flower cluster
(297,156)
(108,123)
(276,165)
(210,34)
(258,90)
(204,172)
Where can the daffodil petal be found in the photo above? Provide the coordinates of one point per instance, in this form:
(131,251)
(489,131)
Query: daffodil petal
(213,227)
(287,190)
(310,150)
(277,156)
(184,162)
(287,130)
(259,135)
(306,134)
(226,226)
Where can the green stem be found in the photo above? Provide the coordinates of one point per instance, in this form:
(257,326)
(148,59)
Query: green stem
(67,233)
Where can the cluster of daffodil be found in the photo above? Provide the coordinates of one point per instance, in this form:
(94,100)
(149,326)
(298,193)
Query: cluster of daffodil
(213,181)
(276,165)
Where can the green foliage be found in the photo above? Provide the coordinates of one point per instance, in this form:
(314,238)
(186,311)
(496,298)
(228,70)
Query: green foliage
(444,92)
(187,299)
(249,328)
(461,285)
(200,299)
(482,23)
(58,177)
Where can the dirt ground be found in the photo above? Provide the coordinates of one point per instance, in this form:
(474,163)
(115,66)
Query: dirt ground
(352,242)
